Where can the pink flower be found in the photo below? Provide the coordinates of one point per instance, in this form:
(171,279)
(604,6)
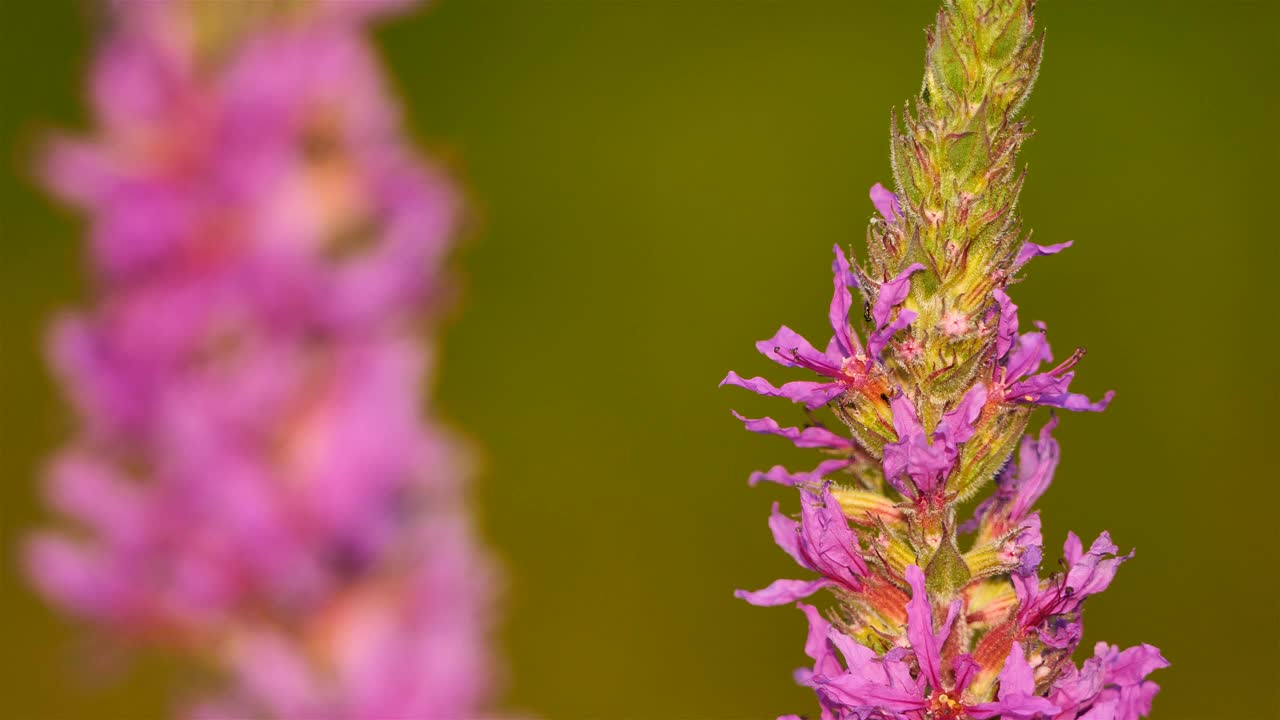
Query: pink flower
(253,471)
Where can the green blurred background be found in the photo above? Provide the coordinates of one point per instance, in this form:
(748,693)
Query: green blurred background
(657,185)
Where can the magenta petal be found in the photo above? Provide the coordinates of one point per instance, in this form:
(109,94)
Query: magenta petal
(880,337)
(1131,665)
(1026,589)
(957,424)
(815,644)
(1007,329)
(892,294)
(97,496)
(1033,388)
(1029,545)
(1075,402)
(756,385)
(953,610)
(1037,461)
(858,658)
(1076,689)
(779,349)
(812,395)
(786,534)
(906,423)
(1051,612)
(1022,707)
(912,455)
(810,437)
(780,475)
(1031,350)
(782,592)
(1031,250)
(828,543)
(1092,572)
(73,575)
(818,646)
(841,301)
(1111,685)
(1134,702)
(886,203)
(1017,699)
(1016,678)
(854,691)
(920,629)
(964,668)
(897,671)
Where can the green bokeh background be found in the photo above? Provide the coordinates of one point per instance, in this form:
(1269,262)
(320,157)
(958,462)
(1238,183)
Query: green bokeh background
(657,185)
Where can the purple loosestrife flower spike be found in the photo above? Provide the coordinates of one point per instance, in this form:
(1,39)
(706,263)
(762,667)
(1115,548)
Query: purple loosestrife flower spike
(934,619)
(252,474)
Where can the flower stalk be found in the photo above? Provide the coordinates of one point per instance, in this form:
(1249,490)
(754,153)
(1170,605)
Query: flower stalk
(936,618)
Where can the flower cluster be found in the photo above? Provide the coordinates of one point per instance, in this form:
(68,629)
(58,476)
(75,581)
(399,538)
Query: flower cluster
(252,479)
(933,408)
